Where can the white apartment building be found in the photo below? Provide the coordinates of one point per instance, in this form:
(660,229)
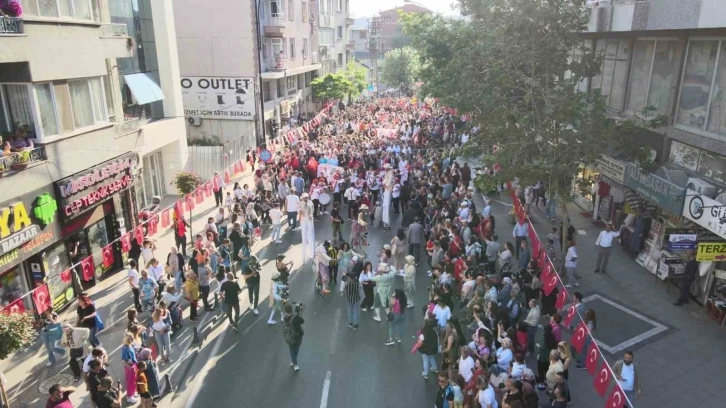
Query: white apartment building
(227,70)
(335,48)
(90,105)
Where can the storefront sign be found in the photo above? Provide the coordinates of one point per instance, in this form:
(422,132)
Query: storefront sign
(27,225)
(611,168)
(682,242)
(711,251)
(662,192)
(704,211)
(83,191)
(219,98)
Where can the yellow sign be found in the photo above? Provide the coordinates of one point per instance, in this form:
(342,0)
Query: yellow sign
(711,251)
(13,219)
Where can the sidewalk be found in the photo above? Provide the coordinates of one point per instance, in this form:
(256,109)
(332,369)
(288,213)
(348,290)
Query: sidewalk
(678,350)
(28,378)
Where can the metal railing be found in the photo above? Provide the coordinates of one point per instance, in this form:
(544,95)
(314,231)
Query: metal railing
(20,160)
(114,30)
(11,25)
(128,125)
(276,20)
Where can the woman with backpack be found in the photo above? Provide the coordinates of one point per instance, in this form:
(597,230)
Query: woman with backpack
(428,346)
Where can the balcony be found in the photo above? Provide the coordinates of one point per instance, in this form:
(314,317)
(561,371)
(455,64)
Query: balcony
(275,26)
(19,161)
(114,30)
(11,25)
(349,21)
(116,41)
(350,46)
(278,63)
(128,125)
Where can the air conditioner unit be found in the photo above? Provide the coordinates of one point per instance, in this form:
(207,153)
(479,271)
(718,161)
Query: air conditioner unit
(702,187)
(194,121)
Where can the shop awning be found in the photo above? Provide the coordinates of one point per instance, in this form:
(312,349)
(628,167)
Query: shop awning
(144,88)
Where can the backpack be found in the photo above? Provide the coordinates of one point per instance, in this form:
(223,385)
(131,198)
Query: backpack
(288,332)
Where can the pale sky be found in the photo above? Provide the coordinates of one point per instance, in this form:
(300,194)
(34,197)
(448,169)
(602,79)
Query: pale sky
(367,8)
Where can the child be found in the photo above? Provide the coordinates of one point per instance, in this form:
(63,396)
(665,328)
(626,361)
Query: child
(457,384)
(229,202)
(142,386)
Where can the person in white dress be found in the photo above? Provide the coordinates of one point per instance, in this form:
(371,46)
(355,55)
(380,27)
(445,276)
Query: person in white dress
(305,215)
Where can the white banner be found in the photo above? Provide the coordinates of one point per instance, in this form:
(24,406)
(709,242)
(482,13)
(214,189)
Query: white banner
(327,170)
(219,97)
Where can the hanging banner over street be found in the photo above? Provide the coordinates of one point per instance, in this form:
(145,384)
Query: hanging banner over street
(219,97)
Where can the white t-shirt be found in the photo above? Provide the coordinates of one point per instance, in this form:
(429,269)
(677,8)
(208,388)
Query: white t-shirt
(156,273)
(628,377)
(87,363)
(466,368)
(443,314)
(134,274)
(487,398)
(276,216)
(292,203)
(147,254)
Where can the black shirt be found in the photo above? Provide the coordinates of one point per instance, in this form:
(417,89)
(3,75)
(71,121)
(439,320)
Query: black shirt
(335,214)
(105,399)
(443,394)
(251,275)
(231,291)
(87,311)
(93,381)
(297,323)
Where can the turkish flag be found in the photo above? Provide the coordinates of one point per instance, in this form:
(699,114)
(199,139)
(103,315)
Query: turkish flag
(208,189)
(216,183)
(550,284)
(165,218)
(569,316)
(152,226)
(593,356)
(616,398)
(546,272)
(602,380)
(17,306)
(235,167)
(199,195)
(226,177)
(139,234)
(126,243)
(41,298)
(242,165)
(107,253)
(561,299)
(65,276)
(578,336)
(88,268)
(189,201)
(542,258)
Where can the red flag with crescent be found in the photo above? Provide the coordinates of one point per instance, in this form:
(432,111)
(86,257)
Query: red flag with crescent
(571,312)
(227,179)
(88,268)
(165,218)
(208,189)
(126,243)
(107,255)
(41,298)
(602,380)
(152,226)
(579,335)
(242,165)
(593,356)
(216,182)
(199,195)
(561,299)
(16,306)
(550,284)
(65,276)
(139,234)
(189,201)
(616,398)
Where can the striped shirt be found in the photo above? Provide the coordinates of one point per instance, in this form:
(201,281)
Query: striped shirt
(352,291)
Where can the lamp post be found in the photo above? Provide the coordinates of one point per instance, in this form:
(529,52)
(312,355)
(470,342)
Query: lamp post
(263,141)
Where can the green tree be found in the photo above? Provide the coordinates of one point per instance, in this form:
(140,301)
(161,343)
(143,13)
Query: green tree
(355,73)
(16,332)
(400,67)
(330,87)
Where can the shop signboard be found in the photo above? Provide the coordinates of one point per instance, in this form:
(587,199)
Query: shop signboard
(28,224)
(682,242)
(84,190)
(711,251)
(229,98)
(611,168)
(706,212)
(656,189)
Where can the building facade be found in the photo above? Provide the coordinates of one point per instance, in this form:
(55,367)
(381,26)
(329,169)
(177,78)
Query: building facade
(668,57)
(90,109)
(334,47)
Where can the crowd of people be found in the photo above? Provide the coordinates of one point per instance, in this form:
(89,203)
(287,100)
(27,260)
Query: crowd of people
(369,164)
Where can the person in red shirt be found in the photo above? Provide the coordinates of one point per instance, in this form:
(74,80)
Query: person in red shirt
(459,268)
(59,397)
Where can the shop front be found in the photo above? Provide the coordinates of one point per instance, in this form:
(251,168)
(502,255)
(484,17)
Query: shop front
(28,225)
(96,208)
(584,187)
(610,194)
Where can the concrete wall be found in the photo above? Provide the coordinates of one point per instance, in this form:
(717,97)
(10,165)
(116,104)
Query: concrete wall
(221,131)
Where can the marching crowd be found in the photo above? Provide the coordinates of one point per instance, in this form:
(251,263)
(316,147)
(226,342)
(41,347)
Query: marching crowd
(367,165)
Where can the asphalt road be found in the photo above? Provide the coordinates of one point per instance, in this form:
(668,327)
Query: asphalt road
(338,366)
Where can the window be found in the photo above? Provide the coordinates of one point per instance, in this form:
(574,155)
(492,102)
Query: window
(290,10)
(109,98)
(304,12)
(277,46)
(74,9)
(280,87)
(701,103)
(653,72)
(86,100)
(308,78)
(292,48)
(264,49)
(340,59)
(340,5)
(48,121)
(292,82)
(305,48)
(613,77)
(266,91)
(362,35)
(340,32)
(326,36)
(284,47)
(277,8)
(16,108)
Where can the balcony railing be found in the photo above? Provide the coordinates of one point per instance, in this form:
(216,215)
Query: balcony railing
(20,160)
(11,25)
(128,125)
(114,30)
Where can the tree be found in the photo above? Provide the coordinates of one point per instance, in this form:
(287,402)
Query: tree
(330,87)
(17,331)
(400,67)
(356,74)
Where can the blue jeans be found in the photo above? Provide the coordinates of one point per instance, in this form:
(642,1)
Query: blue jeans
(292,219)
(396,325)
(276,232)
(429,361)
(294,350)
(353,313)
(163,340)
(92,337)
(631,396)
(51,347)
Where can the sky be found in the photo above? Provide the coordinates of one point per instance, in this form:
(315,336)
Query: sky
(367,8)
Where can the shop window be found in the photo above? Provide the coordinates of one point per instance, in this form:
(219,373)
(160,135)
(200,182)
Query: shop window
(655,63)
(11,286)
(59,275)
(75,9)
(698,78)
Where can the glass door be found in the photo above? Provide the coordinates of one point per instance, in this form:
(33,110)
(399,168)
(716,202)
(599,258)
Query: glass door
(97,239)
(59,276)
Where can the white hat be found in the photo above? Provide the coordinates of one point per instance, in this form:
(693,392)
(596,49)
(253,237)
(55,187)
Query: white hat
(387,247)
(304,195)
(470,188)
(276,275)
(410,259)
(464,204)
(387,166)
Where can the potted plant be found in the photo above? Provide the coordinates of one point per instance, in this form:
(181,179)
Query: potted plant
(10,8)
(22,159)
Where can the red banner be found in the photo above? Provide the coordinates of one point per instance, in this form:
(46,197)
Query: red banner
(226,177)
(542,258)
(561,299)
(578,336)
(593,356)
(16,306)
(198,196)
(242,165)
(65,276)
(550,284)
(41,298)
(107,254)
(189,201)
(208,189)
(139,234)
(165,218)
(602,380)
(126,243)
(617,398)
(152,226)
(567,321)
(88,268)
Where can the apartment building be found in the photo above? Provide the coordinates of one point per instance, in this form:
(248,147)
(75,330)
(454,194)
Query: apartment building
(333,22)
(670,56)
(90,109)
(391,30)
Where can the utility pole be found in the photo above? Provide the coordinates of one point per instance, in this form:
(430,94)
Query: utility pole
(375,45)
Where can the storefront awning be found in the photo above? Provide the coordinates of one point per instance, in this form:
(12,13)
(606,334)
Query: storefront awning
(143,88)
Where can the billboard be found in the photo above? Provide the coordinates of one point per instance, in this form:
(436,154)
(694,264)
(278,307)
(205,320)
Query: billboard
(219,97)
